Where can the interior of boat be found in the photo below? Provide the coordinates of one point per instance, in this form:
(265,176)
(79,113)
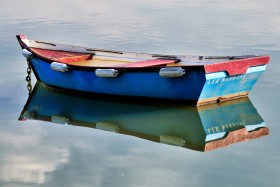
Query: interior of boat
(92,60)
(91,57)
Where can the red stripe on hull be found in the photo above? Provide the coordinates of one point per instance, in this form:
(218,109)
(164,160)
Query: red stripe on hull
(236,67)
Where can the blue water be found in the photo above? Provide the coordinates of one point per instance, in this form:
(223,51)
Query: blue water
(38,153)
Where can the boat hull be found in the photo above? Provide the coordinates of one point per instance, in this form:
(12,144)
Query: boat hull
(195,86)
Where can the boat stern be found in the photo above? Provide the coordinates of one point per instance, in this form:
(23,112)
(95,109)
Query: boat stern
(235,79)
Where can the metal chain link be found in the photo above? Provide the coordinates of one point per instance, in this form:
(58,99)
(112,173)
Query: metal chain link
(28,79)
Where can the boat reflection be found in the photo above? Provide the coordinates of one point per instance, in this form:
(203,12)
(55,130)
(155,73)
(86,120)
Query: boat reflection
(203,128)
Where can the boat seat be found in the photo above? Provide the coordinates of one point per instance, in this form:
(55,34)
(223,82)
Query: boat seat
(64,57)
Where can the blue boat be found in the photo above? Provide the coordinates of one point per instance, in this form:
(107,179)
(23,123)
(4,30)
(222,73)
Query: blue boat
(192,79)
(202,128)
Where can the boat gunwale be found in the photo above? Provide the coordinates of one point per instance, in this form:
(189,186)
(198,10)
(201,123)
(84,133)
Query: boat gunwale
(219,66)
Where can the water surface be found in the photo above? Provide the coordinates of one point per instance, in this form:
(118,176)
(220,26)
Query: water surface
(41,153)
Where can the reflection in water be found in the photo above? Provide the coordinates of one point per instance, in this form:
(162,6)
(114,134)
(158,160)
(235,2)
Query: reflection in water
(203,128)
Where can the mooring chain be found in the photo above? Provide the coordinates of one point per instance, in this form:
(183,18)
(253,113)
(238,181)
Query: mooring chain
(28,78)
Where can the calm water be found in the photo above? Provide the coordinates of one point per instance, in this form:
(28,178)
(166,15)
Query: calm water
(41,153)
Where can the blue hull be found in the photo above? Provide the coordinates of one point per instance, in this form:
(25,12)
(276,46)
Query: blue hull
(195,86)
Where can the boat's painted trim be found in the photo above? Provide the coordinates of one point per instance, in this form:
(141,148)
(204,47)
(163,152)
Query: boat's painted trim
(224,74)
(236,67)
(256,69)
(215,75)
(254,127)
